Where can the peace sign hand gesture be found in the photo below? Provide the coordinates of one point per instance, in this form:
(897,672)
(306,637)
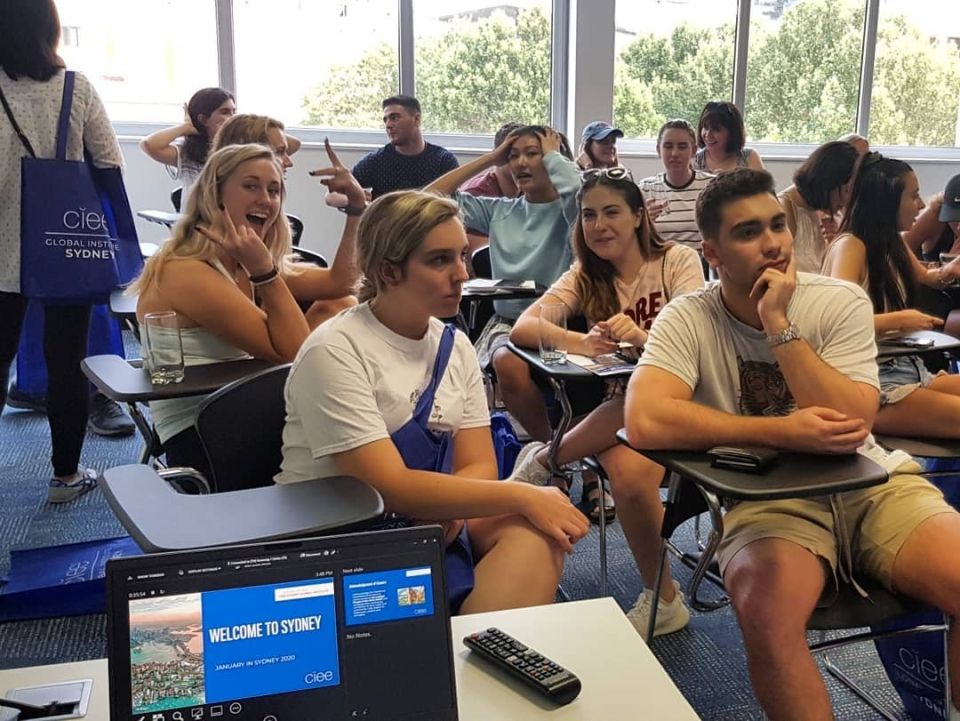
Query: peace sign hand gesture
(242,244)
(340,179)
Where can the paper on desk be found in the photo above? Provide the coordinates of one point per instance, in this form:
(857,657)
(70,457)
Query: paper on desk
(609,364)
(476,284)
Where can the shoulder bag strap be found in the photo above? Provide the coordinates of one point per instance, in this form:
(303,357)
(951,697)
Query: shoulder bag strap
(63,124)
(16,127)
(422,412)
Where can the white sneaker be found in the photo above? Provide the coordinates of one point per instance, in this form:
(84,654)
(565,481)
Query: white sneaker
(671,617)
(528,469)
(954,713)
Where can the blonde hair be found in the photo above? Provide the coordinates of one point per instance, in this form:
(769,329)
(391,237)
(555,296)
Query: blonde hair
(203,208)
(245,128)
(392,228)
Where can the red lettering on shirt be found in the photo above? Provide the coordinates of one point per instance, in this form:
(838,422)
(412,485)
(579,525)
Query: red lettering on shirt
(646,310)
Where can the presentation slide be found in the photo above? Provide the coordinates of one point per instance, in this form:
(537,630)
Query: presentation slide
(387,595)
(269,639)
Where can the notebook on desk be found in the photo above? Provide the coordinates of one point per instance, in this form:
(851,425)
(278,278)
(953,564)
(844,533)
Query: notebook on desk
(342,627)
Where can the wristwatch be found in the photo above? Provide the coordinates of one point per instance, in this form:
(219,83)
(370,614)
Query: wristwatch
(791,332)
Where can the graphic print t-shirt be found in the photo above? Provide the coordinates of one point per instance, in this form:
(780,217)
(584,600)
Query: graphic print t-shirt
(731,367)
(677,272)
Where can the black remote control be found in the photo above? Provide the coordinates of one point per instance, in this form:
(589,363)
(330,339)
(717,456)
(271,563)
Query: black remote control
(534,669)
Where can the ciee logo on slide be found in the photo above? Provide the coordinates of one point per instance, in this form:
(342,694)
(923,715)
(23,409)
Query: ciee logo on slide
(315,677)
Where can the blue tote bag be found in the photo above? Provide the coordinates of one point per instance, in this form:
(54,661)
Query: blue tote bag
(78,240)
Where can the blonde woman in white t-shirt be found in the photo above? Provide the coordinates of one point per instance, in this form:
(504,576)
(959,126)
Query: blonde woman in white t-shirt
(355,388)
(624,275)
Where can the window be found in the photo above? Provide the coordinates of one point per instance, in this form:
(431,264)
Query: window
(317,64)
(479,65)
(145,58)
(803,70)
(672,56)
(916,74)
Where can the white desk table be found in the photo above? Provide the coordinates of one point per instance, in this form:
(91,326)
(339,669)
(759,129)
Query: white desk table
(621,677)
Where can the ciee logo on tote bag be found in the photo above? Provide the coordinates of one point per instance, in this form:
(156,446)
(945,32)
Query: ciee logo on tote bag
(78,241)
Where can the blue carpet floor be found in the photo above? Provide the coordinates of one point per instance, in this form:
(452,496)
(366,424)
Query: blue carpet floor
(706,660)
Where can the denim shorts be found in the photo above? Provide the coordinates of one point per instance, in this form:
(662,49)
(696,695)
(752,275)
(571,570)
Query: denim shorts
(901,376)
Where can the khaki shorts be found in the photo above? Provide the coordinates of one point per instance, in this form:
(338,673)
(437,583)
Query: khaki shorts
(878,520)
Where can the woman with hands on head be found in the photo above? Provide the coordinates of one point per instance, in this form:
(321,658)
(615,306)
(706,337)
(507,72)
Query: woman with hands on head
(363,382)
(624,274)
(869,251)
(529,240)
(184,148)
(225,272)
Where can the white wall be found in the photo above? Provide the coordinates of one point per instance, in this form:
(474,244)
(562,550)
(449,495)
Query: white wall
(149,186)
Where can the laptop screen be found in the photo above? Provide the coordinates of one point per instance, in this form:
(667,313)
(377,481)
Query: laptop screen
(343,627)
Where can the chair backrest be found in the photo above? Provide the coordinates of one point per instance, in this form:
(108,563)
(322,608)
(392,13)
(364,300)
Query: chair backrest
(312,256)
(176,195)
(296,229)
(481,262)
(241,430)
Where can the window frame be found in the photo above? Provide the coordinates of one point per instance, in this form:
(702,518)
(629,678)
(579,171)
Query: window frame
(581,73)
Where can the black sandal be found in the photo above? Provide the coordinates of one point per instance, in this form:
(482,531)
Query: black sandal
(592,498)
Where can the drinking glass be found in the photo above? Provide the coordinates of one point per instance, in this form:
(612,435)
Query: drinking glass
(162,348)
(553,333)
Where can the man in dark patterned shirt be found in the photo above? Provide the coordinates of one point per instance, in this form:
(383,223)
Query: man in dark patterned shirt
(407,161)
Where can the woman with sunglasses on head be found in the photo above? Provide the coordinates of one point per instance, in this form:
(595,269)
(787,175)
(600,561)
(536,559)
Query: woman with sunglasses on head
(529,240)
(623,276)
(721,136)
(869,251)
(183,149)
(385,392)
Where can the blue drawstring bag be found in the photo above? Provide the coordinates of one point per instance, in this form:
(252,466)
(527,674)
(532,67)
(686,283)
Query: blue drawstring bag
(104,338)
(77,237)
(914,664)
(505,443)
(60,580)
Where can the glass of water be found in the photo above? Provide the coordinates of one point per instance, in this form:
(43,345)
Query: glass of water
(162,348)
(553,333)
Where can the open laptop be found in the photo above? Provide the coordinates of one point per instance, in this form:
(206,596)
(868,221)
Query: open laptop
(341,627)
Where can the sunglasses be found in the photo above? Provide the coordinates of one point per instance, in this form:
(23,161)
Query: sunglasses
(617,173)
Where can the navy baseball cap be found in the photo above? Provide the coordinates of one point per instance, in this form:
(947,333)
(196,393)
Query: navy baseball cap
(599,130)
(950,210)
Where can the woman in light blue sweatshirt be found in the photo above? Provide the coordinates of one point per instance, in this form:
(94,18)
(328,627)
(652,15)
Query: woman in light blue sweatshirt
(529,240)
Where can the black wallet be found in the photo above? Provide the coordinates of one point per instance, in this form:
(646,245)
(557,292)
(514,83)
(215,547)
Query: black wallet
(749,459)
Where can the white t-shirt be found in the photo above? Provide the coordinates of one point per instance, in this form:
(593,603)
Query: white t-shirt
(355,381)
(676,272)
(731,367)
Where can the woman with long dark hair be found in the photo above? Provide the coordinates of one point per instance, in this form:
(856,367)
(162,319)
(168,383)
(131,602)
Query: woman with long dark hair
(623,276)
(869,251)
(184,147)
(31,82)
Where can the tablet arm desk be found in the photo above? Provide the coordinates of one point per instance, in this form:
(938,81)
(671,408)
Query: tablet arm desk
(160,519)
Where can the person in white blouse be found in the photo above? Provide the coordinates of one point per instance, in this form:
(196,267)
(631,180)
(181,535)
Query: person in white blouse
(32,84)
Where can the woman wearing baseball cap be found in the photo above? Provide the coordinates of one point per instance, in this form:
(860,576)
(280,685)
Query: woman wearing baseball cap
(937,229)
(598,146)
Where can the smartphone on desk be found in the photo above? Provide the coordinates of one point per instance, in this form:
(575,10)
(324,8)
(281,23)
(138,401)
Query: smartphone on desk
(907,341)
(749,459)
